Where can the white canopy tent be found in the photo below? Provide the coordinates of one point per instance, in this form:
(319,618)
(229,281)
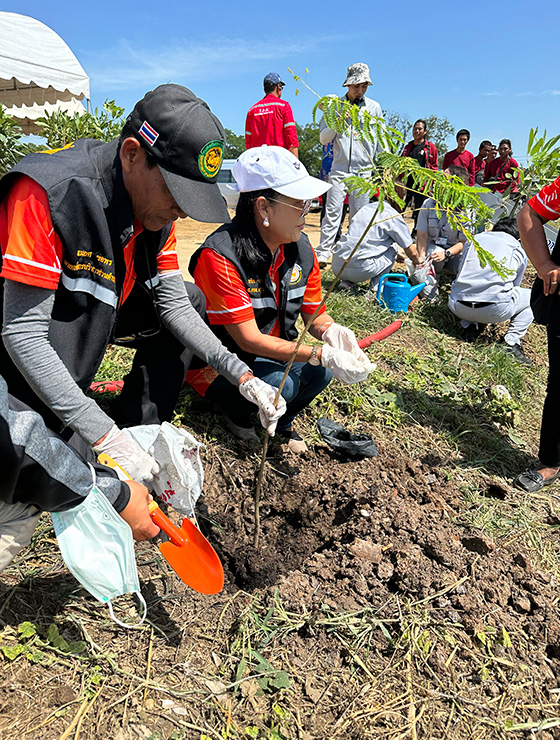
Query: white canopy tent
(38,71)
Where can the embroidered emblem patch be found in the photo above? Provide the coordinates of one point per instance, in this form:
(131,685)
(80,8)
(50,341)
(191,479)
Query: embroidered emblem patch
(210,158)
(295,277)
(148,133)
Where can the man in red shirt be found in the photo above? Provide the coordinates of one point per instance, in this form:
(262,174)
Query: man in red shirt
(543,207)
(271,121)
(500,174)
(480,160)
(460,156)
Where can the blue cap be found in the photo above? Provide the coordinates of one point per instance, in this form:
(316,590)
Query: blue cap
(274,78)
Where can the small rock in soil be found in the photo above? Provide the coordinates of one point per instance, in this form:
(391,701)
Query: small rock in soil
(522,604)
(366,550)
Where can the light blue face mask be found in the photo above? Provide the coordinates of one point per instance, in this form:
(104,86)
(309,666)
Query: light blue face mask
(97,547)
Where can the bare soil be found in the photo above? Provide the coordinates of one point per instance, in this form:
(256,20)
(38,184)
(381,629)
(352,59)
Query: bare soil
(366,591)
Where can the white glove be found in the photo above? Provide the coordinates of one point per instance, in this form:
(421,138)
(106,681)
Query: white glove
(340,337)
(348,367)
(125,450)
(262,395)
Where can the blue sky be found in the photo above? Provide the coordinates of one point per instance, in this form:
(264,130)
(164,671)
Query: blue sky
(488,67)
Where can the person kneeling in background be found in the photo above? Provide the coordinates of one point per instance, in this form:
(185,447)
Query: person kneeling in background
(436,240)
(259,274)
(479,296)
(377,253)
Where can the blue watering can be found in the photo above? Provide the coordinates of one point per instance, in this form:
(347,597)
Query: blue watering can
(397,291)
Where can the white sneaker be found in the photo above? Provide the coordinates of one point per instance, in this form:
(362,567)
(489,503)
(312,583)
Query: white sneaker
(294,442)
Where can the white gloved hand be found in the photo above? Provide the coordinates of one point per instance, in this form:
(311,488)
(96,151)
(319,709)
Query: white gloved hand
(340,337)
(262,395)
(348,367)
(125,450)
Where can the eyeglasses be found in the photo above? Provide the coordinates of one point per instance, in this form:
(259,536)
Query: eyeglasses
(303,211)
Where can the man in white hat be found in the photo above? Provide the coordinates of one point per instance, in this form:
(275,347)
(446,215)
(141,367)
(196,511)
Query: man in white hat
(350,157)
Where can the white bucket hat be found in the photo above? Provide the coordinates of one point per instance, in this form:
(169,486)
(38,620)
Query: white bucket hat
(274,167)
(357,73)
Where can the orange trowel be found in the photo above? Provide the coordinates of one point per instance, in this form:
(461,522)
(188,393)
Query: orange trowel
(188,551)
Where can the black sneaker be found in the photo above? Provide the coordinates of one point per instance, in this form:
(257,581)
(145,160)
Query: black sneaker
(472,332)
(532,480)
(517,352)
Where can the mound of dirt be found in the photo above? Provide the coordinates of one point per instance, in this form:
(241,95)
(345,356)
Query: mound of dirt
(367,601)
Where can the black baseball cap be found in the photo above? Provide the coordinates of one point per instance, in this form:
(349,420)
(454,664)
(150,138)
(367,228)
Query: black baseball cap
(187,141)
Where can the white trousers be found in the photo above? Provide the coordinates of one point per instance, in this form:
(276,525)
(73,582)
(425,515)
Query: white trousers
(517,310)
(333,213)
(17,522)
(368,268)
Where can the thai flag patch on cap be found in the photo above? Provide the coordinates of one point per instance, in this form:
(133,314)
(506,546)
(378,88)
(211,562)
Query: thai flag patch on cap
(148,133)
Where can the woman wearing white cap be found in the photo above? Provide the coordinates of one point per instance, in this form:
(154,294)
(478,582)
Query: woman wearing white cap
(258,274)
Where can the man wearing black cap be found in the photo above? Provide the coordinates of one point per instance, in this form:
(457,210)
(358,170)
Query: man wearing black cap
(88,249)
(271,121)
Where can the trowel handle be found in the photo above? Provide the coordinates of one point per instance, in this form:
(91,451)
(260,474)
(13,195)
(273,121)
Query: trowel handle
(163,522)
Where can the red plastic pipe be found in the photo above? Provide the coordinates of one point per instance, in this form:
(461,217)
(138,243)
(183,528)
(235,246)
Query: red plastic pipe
(107,386)
(378,336)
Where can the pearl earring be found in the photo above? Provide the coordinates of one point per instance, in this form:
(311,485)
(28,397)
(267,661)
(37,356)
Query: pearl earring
(266,222)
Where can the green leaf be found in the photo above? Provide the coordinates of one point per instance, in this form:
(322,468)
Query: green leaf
(35,656)
(280,681)
(516,438)
(77,647)
(27,630)
(11,652)
(56,639)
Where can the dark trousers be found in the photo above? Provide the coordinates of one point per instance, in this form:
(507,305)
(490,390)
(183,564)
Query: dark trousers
(154,382)
(415,200)
(549,449)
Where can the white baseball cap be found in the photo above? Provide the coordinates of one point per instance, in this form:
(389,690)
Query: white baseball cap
(264,167)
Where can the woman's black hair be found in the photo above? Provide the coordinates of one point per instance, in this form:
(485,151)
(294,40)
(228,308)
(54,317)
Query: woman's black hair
(508,142)
(423,122)
(246,240)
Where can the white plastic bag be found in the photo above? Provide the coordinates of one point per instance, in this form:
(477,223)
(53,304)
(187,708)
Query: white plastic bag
(181,476)
(424,273)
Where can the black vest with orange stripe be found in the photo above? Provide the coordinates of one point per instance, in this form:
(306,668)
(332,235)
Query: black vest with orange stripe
(293,276)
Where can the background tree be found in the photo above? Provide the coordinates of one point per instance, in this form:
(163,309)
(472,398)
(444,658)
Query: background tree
(438,131)
(399,122)
(60,129)
(11,148)
(310,150)
(235,145)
